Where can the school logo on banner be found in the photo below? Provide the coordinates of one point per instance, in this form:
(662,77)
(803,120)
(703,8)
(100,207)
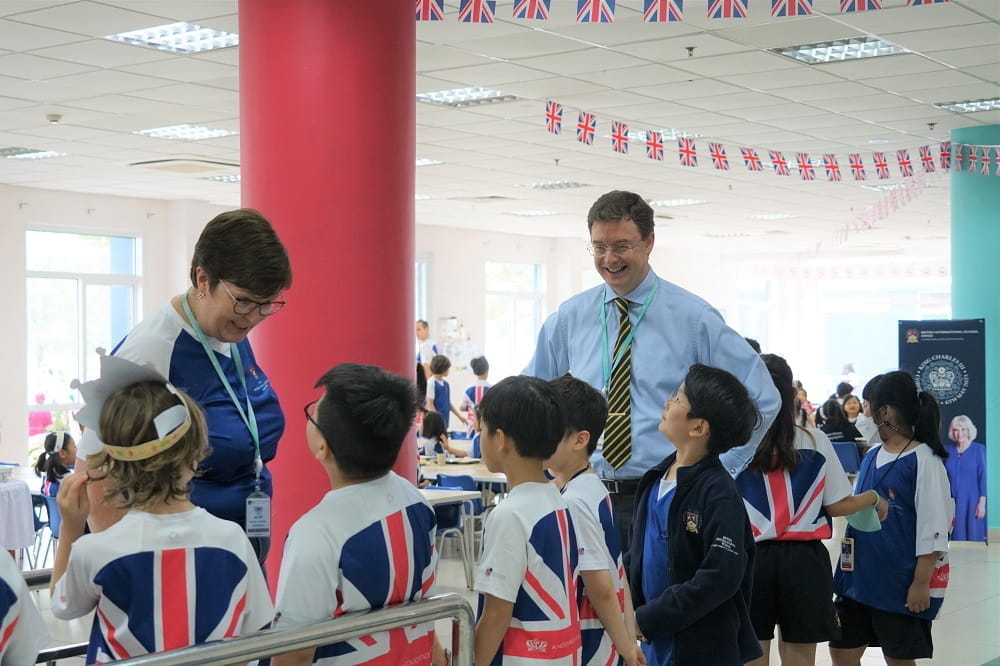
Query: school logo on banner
(943,375)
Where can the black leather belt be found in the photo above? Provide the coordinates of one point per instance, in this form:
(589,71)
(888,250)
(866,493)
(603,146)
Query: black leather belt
(621,486)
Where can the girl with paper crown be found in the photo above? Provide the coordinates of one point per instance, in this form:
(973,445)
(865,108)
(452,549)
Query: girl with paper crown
(168,574)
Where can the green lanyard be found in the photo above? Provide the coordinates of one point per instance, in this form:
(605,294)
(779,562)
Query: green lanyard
(609,365)
(248,416)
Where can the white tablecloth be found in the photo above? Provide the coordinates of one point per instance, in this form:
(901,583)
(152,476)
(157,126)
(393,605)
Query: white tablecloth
(17,523)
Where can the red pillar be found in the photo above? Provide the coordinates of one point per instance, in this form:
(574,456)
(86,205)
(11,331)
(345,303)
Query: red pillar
(327,119)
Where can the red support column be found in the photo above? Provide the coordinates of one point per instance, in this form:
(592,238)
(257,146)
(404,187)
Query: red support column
(327,119)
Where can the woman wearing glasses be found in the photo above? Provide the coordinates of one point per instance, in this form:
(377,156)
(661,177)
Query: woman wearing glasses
(199,341)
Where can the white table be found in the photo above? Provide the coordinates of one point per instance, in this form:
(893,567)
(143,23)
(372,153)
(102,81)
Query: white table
(435,496)
(17,517)
(440,496)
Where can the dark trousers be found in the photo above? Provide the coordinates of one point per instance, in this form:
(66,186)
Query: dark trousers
(624,503)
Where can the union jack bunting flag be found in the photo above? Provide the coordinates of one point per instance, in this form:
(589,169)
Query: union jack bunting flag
(595,11)
(654,145)
(661,11)
(832,168)
(905,165)
(806,171)
(586,127)
(553,117)
(619,137)
(946,155)
(984,168)
(927,159)
(857,166)
(859,5)
(532,9)
(727,9)
(915,3)
(973,158)
(881,165)
(430,10)
(779,162)
(959,154)
(718,153)
(687,153)
(791,7)
(751,159)
(996,159)
(477,11)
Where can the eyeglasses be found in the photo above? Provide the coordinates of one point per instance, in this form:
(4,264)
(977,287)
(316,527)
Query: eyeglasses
(310,412)
(619,249)
(244,306)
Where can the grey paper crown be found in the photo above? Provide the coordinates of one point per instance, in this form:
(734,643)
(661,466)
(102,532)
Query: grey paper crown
(116,373)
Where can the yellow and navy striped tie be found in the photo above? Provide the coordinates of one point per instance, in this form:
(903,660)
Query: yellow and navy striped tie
(618,431)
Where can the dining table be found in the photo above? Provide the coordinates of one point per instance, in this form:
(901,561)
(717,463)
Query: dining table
(17,517)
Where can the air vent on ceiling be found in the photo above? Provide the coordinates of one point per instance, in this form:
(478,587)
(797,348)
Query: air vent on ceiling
(187,165)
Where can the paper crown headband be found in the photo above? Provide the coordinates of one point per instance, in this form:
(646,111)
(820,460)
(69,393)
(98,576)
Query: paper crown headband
(117,373)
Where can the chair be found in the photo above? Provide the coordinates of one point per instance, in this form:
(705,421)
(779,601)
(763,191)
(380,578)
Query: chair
(850,460)
(55,523)
(40,509)
(477,510)
(451,523)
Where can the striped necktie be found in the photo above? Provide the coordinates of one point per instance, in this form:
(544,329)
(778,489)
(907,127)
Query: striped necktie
(618,431)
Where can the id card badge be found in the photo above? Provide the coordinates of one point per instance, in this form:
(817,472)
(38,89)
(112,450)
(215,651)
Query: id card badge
(258,514)
(847,554)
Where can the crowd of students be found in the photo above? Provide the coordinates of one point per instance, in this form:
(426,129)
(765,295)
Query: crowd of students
(713,564)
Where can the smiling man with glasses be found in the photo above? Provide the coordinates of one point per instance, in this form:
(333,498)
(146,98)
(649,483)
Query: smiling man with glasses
(634,338)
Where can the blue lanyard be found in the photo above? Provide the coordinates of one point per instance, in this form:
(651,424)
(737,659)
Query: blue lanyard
(248,416)
(609,365)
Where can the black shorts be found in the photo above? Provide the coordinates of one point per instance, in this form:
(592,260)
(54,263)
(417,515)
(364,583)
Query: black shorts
(793,588)
(900,636)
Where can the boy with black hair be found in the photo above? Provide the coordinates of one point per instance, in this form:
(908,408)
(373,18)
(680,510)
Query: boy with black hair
(527,574)
(690,559)
(369,543)
(474,394)
(606,615)
(439,390)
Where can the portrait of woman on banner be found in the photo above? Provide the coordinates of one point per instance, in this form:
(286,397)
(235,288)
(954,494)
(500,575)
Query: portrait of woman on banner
(966,465)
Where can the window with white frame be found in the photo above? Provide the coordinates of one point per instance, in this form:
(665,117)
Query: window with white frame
(515,294)
(82,292)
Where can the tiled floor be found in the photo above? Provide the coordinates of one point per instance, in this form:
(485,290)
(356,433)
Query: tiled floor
(966,633)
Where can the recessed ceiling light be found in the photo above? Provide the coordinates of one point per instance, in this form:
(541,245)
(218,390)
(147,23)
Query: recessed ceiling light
(970,106)
(224,178)
(531,213)
(773,216)
(663,203)
(554,185)
(426,161)
(15,153)
(185,132)
(459,97)
(178,38)
(878,141)
(884,187)
(839,50)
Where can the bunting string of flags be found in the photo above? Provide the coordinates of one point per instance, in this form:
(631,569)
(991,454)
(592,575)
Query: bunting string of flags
(983,160)
(653,11)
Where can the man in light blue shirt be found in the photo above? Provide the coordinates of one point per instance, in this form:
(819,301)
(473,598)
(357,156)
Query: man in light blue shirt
(672,329)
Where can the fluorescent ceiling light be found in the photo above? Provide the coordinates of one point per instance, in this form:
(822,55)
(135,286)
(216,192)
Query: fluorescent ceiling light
(178,38)
(15,153)
(885,187)
(666,134)
(970,106)
(839,50)
(224,178)
(426,161)
(531,213)
(185,132)
(878,141)
(459,97)
(554,185)
(773,216)
(663,203)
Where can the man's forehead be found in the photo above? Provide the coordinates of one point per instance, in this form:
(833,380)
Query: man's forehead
(623,228)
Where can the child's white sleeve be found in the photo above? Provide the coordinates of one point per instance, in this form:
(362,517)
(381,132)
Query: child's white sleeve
(76,593)
(934,504)
(430,388)
(308,581)
(592,549)
(22,631)
(505,556)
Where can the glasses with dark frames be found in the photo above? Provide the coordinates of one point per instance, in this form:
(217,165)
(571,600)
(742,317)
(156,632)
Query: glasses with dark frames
(244,306)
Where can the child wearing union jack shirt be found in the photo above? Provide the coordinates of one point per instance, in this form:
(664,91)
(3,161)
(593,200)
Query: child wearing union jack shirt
(168,574)
(528,614)
(606,616)
(22,630)
(369,543)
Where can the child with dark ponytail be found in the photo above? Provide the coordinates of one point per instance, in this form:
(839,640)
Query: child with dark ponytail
(55,461)
(890,584)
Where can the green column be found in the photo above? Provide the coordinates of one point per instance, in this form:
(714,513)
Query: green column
(975,275)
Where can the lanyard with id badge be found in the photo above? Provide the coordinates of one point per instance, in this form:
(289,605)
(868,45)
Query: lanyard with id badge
(258,504)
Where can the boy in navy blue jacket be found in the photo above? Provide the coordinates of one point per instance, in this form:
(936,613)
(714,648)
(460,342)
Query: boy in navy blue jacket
(690,557)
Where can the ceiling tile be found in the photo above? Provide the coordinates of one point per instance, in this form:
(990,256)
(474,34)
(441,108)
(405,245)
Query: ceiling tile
(21,37)
(789,32)
(931,17)
(181,68)
(872,68)
(93,19)
(23,66)
(180,10)
(110,81)
(978,34)
(101,53)
(752,62)
(581,61)
(432,57)
(941,79)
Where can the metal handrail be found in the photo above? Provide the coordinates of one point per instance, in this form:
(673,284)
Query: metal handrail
(278,641)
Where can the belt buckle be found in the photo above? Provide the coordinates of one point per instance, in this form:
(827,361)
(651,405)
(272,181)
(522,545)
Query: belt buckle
(612,486)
